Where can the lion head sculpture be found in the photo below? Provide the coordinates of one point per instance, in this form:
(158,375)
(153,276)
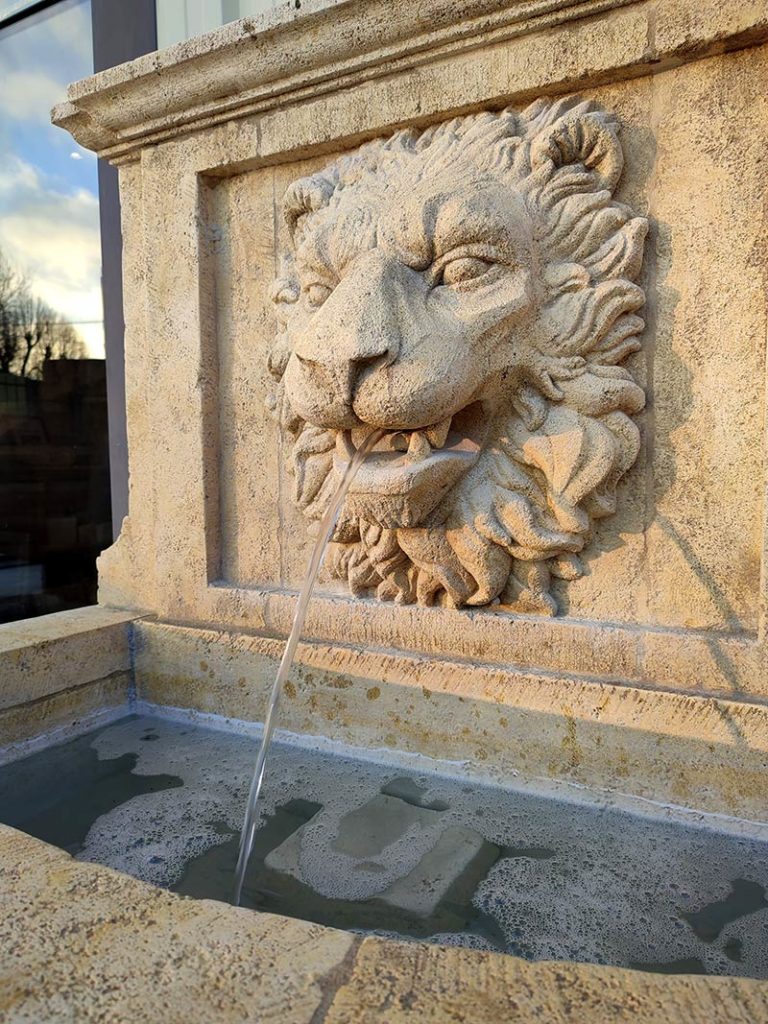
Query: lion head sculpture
(469,290)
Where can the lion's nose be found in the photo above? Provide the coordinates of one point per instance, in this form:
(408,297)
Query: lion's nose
(346,372)
(351,337)
(328,386)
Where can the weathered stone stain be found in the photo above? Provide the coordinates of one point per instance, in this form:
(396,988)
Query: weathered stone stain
(569,743)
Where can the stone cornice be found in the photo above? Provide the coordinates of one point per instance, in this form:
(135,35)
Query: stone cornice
(295,53)
(256,64)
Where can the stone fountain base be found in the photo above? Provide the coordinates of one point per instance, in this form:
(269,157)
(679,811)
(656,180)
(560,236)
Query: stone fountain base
(88,941)
(89,944)
(689,749)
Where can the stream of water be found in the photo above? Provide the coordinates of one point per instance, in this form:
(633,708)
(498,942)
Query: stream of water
(327,524)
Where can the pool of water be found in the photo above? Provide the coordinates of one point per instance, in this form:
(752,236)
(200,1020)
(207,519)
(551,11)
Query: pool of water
(378,847)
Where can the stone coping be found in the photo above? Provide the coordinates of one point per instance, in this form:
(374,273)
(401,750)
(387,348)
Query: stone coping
(62,673)
(324,46)
(84,943)
(690,750)
(60,625)
(51,653)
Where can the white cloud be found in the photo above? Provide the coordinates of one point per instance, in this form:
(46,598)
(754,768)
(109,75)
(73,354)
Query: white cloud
(17,174)
(71,29)
(28,95)
(47,230)
(54,238)
(39,60)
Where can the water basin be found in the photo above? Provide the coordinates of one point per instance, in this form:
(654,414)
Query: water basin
(401,847)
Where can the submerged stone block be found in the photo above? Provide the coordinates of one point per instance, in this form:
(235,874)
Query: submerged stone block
(358,855)
(422,889)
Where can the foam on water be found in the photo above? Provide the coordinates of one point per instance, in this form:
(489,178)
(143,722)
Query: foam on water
(552,880)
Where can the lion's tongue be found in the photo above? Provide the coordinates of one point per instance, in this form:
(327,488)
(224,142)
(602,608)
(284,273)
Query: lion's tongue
(409,472)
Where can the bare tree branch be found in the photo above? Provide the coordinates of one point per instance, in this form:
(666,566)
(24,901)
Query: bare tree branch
(31,331)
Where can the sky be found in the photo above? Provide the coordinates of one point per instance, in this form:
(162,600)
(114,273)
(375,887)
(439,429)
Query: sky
(49,210)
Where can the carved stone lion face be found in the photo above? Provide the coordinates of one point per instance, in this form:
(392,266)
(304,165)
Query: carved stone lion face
(468,290)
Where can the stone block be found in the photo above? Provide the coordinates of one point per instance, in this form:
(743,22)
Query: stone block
(40,657)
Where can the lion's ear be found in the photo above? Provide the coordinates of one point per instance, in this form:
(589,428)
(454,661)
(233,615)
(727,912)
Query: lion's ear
(589,139)
(306,196)
(284,294)
(285,291)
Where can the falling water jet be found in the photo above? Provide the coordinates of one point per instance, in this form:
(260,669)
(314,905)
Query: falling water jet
(327,524)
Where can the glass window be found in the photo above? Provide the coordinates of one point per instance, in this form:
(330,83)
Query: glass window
(182,19)
(54,452)
(13,8)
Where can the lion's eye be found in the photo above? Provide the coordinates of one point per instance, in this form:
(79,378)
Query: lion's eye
(465,268)
(317,294)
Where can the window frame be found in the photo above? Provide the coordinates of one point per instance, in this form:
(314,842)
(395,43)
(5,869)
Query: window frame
(23,11)
(121,32)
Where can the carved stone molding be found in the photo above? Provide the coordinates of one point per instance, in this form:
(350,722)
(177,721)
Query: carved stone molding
(297,54)
(470,290)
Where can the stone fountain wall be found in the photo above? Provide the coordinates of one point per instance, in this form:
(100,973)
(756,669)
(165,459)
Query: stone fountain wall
(643,439)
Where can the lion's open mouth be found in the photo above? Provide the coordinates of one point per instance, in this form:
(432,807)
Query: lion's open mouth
(409,472)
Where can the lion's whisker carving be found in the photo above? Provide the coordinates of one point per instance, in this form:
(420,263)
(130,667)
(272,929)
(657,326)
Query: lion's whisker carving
(469,290)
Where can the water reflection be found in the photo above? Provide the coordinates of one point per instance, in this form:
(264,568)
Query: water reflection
(54,470)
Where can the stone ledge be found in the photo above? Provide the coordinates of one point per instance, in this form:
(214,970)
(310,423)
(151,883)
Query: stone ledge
(403,984)
(84,943)
(58,717)
(270,58)
(697,752)
(258,65)
(43,656)
(714,662)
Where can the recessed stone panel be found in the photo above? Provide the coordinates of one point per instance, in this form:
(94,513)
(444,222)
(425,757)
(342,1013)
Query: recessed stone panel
(683,548)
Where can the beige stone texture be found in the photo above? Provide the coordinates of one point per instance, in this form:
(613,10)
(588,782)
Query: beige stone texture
(674,594)
(137,531)
(683,27)
(705,487)
(689,750)
(84,943)
(707,661)
(59,715)
(398,984)
(59,669)
(39,657)
(303,54)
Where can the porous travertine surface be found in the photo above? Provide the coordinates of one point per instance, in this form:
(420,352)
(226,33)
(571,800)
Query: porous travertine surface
(57,670)
(211,135)
(83,943)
